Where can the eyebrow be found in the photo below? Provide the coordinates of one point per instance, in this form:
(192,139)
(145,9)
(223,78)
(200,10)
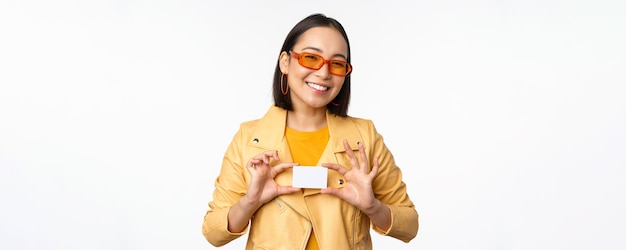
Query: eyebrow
(320,51)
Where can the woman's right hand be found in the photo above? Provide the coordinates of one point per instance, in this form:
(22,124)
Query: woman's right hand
(262,187)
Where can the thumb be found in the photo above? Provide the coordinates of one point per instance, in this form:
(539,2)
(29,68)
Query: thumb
(287,190)
(330,190)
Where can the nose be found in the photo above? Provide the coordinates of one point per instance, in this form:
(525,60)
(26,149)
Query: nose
(324,71)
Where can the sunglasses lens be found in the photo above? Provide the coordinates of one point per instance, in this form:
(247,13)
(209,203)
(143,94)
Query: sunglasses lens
(340,68)
(311,61)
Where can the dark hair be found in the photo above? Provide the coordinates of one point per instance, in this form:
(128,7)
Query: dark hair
(339,105)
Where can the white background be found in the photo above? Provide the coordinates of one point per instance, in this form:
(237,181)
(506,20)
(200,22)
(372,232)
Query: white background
(507,117)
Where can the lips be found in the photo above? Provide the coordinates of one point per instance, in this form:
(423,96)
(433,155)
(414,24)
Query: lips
(317,86)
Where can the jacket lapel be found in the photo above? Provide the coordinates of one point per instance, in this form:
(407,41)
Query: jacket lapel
(341,128)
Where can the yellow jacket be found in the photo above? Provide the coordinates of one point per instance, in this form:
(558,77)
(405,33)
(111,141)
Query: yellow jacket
(286,221)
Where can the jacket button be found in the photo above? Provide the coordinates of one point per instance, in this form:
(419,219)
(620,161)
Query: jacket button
(255,141)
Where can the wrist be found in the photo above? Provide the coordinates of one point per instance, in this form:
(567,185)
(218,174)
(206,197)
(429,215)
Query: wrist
(375,209)
(248,204)
(380,216)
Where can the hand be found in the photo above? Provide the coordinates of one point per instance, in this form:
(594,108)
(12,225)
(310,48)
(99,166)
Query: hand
(357,189)
(262,187)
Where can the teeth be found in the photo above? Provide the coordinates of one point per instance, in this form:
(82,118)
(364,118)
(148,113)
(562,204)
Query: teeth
(318,87)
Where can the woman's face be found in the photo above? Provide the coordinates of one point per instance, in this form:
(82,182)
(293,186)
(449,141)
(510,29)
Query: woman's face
(315,88)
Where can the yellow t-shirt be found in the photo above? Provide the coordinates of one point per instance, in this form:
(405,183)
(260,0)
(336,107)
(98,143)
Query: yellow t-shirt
(307,148)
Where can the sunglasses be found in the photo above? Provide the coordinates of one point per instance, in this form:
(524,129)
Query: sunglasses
(314,61)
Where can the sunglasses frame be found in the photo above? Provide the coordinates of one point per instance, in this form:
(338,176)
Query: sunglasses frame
(297,56)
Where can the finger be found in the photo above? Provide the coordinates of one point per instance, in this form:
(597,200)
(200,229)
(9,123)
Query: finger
(252,162)
(265,157)
(340,169)
(282,166)
(353,161)
(270,154)
(374,171)
(364,160)
(259,159)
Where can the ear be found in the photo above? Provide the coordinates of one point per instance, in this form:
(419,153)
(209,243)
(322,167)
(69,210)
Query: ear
(283,62)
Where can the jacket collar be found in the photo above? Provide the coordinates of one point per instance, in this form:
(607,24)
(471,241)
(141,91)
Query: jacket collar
(270,132)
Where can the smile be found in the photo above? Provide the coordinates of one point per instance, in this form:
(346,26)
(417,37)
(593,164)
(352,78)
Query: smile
(317,86)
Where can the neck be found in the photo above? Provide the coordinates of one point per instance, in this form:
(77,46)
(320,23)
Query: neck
(306,120)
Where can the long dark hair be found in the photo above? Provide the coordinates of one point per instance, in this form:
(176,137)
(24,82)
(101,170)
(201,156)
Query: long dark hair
(339,105)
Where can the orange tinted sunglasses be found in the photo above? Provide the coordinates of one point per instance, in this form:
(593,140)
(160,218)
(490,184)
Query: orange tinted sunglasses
(314,61)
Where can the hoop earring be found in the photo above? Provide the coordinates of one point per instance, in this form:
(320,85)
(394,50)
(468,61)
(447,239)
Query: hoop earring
(286,90)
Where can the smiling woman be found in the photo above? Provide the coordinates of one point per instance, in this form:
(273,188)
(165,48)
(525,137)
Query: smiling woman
(506,117)
(309,126)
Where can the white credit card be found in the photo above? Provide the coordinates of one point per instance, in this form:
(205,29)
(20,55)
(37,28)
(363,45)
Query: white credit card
(309,177)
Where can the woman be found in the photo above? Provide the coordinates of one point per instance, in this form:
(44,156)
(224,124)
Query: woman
(309,126)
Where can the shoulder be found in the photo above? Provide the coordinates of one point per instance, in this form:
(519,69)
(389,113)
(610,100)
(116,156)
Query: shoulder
(361,121)
(247,127)
(266,131)
(250,123)
(358,122)
(271,117)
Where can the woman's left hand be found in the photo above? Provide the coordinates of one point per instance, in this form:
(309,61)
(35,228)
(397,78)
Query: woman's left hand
(357,189)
